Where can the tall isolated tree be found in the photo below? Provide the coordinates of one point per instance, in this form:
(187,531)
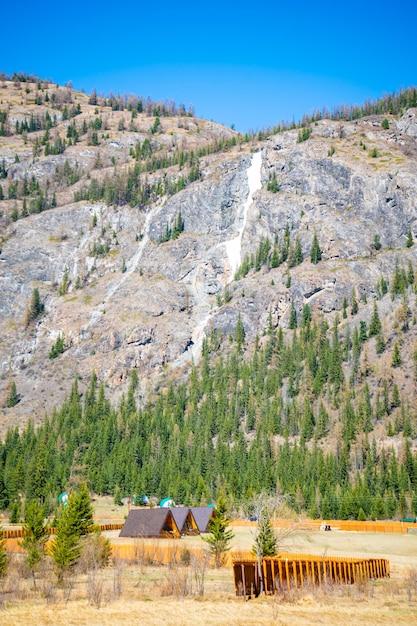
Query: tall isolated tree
(266,541)
(315,253)
(36,306)
(13,397)
(220,536)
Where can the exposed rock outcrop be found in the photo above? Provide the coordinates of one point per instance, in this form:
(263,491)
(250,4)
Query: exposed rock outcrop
(147,305)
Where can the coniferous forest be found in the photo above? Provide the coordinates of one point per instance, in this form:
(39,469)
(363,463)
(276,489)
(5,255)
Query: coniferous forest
(300,411)
(241,423)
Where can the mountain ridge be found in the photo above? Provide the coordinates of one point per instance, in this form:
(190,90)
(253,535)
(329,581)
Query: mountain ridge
(329,183)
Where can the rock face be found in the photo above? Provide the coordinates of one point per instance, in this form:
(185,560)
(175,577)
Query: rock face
(145,304)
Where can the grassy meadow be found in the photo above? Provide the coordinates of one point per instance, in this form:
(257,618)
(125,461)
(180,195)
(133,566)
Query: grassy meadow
(187,590)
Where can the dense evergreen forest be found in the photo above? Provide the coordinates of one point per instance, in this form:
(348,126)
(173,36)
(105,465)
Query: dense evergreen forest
(294,415)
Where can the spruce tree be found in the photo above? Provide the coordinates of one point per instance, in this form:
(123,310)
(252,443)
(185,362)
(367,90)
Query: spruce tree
(315,254)
(220,535)
(76,522)
(410,239)
(3,555)
(13,398)
(239,333)
(354,303)
(375,326)
(266,542)
(298,252)
(380,344)
(36,307)
(35,537)
(293,316)
(395,398)
(58,347)
(344,305)
(396,356)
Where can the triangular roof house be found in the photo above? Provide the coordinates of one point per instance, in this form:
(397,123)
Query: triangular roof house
(150,523)
(202,516)
(185,520)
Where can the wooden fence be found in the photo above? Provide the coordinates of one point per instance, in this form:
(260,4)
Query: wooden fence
(289,571)
(346,525)
(17,533)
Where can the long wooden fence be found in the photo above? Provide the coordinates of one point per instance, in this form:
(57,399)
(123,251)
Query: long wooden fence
(17,533)
(291,571)
(345,525)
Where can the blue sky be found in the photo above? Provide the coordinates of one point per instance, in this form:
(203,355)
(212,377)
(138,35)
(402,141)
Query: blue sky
(251,65)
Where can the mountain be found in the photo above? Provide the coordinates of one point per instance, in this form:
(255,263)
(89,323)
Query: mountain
(188,310)
(135,236)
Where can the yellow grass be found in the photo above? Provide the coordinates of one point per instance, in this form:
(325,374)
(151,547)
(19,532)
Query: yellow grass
(133,591)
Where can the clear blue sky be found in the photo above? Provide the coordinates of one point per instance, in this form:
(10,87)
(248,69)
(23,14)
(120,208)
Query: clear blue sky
(248,64)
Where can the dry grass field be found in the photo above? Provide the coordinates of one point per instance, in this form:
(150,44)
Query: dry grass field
(188,591)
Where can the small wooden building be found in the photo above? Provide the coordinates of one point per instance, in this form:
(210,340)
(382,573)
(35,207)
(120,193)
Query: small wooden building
(185,520)
(150,523)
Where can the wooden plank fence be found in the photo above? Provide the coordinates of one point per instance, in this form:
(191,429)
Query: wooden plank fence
(345,525)
(289,571)
(17,533)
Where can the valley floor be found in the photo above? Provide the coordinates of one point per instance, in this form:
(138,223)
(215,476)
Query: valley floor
(136,590)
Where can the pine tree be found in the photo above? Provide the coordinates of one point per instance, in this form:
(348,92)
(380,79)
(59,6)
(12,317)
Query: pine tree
(399,281)
(36,307)
(220,535)
(344,305)
(380,344)
(76,522)
(178,226)
(410,239)
(361,515)
(375,326)
(35,537)
(275,259)
(396,356)
(13,397)
(298,252)
(266,543)
(395,398)
(272,184)
(315,254)
(58,347)
(363,331)
(293,316)
(3,555)
(239,333)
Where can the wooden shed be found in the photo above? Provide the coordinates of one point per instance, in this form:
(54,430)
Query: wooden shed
(185,521)
(202,516)
(150,523)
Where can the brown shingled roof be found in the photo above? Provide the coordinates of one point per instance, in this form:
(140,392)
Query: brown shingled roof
(185,520)
(202,516)
(150,523)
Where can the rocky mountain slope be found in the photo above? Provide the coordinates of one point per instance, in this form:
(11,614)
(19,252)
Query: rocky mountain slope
(137,285)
